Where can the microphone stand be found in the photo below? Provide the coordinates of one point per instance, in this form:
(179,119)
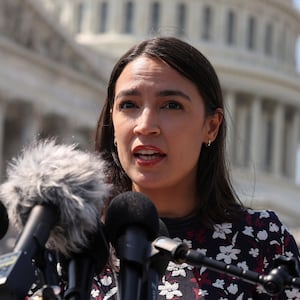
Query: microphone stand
(155,269)
(285,274)
(46,263)
(15,286)
(49,294)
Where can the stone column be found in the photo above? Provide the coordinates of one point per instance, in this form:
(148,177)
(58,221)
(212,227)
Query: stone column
(292,47)
(2,127)
(115,17)
(241,31)
(168,17)
(192,30)
(87,16)
(68,17)
(31,126)
(141,17)
(260,27)
(219,24)
(230,108)
(293,146)
(278,122)
(255,132)
(241,125)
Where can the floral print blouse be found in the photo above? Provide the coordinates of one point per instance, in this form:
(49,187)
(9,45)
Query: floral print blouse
(250,244)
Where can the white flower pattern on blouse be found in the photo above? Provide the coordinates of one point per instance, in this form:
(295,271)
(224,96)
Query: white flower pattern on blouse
(251,244)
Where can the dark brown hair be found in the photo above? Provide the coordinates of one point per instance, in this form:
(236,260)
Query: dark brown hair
(217,200)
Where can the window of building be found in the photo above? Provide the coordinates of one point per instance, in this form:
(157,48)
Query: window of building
(251,33)
(155,17)
(103,10)
(79,18)
(128,21)
(231,28)
(181,19)
(268,39)
(206,23)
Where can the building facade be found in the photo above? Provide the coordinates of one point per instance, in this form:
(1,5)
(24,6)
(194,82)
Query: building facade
(49,85)
(252,45)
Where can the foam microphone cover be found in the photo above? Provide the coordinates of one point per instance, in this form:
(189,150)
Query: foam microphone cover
(131,209)
(63,177)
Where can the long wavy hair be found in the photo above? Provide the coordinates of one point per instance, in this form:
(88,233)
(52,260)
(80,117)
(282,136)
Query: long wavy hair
(218,201)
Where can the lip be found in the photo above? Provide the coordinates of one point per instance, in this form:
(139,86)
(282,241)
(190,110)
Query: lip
(144,157)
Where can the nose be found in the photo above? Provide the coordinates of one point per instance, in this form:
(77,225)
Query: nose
(147,123)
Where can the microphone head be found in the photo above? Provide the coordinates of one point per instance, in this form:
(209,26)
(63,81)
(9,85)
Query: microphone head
(131,209)
(61,176)
(4,221)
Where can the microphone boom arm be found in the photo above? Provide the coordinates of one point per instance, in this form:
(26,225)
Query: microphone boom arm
(285,274)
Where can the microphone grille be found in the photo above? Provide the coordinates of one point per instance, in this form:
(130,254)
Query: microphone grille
(131,208)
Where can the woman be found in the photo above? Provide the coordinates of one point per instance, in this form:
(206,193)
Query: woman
(162,133)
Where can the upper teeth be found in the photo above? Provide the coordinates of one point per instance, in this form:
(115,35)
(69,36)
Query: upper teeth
(146,152)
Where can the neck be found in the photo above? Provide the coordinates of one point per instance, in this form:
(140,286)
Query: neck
(172,203)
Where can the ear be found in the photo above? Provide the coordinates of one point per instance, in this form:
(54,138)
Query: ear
(213,123)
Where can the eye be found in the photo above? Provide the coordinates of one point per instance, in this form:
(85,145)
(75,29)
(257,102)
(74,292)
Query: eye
(173,105)
(126,105)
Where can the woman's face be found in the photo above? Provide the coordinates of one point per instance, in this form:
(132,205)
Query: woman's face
(160,125)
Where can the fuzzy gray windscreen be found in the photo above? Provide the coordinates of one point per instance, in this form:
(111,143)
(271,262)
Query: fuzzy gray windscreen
(69,179)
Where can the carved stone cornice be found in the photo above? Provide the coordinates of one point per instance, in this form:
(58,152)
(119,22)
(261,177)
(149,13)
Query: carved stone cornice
(25,23)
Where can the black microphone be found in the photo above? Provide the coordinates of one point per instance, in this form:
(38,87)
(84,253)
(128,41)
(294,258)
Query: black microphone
(55,194)
(4,221)
(158,262)
(84,265)
(132,223)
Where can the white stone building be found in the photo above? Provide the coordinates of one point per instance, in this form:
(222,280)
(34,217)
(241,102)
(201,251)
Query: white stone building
(53,77)
(49,85)
(252,46)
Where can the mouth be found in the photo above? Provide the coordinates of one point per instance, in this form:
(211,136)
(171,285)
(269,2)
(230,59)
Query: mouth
(148,153)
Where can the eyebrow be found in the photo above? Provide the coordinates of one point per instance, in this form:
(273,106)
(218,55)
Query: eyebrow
(163,93)
(129,92)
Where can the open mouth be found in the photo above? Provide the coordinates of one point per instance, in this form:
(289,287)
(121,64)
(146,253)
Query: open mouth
(148,155)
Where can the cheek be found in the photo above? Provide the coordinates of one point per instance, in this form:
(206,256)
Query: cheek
(192,142)
(119,124)
(123,136)
(122,130)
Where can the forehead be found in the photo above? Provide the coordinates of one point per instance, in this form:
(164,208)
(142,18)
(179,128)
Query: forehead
(151,72)
(144,65)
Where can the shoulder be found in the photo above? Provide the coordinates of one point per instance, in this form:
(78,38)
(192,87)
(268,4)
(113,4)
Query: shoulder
(266,226)
(257,225)
(262,222)
(267,219)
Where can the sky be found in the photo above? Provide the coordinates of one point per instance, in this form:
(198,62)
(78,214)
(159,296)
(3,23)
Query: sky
(297,5)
